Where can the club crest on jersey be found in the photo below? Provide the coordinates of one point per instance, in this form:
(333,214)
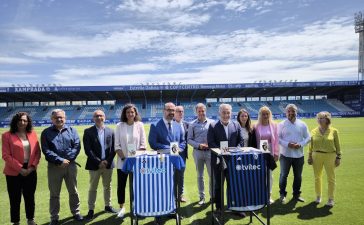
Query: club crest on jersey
(255,156)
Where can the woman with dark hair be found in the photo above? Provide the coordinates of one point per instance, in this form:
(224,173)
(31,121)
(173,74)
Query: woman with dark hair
(21,153)
(129,137)
(245,122)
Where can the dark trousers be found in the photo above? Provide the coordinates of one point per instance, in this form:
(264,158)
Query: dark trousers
(286,163)
(217,180)
(18,185)
(122,178)
(179,176)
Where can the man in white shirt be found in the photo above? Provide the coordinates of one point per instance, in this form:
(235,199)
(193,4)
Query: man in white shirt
(293,136)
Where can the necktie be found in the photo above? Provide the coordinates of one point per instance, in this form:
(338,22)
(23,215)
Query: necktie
(170,130)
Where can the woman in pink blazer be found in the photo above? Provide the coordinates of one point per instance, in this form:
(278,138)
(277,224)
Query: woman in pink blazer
(129,136)
(267,129)
(21,153)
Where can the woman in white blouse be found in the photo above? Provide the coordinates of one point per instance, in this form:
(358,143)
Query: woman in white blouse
(129,136)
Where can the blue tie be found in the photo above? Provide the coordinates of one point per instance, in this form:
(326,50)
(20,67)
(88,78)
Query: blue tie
(170,131)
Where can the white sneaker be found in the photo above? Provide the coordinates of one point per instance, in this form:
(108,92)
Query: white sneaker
(202,201)
(330,203)
(318,200)
(271,201)
(121,213)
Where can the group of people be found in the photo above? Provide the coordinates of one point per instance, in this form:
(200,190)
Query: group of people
(61,145)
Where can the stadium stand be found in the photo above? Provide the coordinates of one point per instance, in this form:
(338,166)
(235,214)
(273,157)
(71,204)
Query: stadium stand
(341,98)
(156,109)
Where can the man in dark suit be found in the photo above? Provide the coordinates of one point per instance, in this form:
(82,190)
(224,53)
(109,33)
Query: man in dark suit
(98,142)
(224,129)
(178,117)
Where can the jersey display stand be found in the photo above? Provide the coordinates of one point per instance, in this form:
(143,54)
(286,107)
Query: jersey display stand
(151,186)
(248,179)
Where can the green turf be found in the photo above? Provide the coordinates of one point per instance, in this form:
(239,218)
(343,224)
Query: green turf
(347,210)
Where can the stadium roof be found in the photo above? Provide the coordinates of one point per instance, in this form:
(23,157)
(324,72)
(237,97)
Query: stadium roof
(176,92)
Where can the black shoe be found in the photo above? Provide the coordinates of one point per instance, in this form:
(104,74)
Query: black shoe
(54,222)
(157,221)
(110,209)
(90,215)
(241,214)
(78,217)
(298,198)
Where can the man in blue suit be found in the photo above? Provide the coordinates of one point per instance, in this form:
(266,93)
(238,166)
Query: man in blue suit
(223,130)
(166,130)
(98,142)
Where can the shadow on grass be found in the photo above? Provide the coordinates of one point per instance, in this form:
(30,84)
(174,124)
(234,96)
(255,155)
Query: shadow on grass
(278,208)
(312,211)
(306,212)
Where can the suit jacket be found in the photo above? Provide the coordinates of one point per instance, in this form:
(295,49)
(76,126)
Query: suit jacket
(216,133)
(13,152)
(159,138)
(92,146)
(121,142)
(184,154)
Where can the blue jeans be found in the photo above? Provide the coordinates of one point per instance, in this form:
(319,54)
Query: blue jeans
(286,163)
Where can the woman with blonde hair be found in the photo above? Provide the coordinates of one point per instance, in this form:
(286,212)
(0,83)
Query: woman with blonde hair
(266,129)
(324,152)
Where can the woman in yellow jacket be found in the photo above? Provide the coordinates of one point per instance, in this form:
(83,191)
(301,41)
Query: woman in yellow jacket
(324,152)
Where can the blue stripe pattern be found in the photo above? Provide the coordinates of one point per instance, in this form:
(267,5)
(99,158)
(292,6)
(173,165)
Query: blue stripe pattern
(246,180)
(153,183)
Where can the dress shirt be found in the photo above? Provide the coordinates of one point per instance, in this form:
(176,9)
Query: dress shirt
(168,125)
(101,135)
(296,132)
(58,145)
(226,128)
(197,132)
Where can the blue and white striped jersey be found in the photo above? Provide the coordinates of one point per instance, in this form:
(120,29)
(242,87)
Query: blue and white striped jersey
(246,181)
(153,183)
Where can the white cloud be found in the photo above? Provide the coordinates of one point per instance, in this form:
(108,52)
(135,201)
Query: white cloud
(243,72)
(58,46)
(173,13)
(333,39)
(86,73)
(15,60)
(16,73)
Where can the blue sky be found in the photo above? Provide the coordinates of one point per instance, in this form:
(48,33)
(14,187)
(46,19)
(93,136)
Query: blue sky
(110,42)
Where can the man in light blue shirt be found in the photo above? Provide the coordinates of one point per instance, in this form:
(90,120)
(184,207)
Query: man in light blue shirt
(293,136)
(197,138)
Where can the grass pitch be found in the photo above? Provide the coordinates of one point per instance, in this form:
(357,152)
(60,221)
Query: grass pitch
(349,190)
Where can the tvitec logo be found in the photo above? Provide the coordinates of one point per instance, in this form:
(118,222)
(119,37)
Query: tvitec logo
(152,170)
(249,166)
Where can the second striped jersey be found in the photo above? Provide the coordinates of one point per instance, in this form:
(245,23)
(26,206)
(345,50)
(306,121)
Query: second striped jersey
(246,181)
(153,183)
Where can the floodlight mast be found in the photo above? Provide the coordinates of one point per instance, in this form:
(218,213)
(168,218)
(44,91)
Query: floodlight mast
(359,28)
